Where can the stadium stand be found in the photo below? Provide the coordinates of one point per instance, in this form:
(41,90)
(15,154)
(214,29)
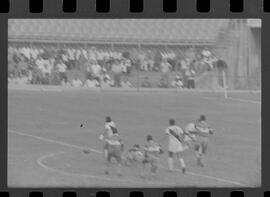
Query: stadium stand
(118,52)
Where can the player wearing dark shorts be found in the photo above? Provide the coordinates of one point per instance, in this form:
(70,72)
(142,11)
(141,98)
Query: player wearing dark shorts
(203,131)
(152,152)
(114,151)
(110,129)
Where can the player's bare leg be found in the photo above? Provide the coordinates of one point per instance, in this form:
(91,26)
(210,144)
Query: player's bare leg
(119,169)
(153,171)
(105,153)
(170,161)
(107,167)
(199,155)
(182,162)
(143,166)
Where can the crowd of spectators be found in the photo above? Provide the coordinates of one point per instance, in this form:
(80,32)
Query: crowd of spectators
(50,64)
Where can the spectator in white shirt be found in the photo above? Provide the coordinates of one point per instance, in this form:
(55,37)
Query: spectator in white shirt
(177,83)
(165,68)
(76,82)
(206,53)
(91,83)
(126,84)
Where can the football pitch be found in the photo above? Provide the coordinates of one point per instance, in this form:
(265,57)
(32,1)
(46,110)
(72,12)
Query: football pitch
(45,140)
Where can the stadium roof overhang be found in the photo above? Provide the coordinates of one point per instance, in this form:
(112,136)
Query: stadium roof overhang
(185,42)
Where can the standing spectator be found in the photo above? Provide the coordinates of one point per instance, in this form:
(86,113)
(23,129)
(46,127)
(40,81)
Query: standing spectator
(117,73)
(71,57)
(88,69)
(149,60)
(190,75)
(62,69)
(37,75)
(165,68)
(96,70)
(143,62)
(127,64)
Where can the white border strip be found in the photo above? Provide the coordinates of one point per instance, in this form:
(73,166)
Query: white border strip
(97,151)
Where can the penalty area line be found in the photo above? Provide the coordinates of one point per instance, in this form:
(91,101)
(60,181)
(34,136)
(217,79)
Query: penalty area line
(100,152)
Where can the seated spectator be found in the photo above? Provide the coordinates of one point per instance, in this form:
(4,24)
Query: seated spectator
(46,79)
(91,83)
(37,76)
(76,82)
(146,83)
(163,83)
(165,69)
(177,83)
(126,84)
(63,83)
(107,81)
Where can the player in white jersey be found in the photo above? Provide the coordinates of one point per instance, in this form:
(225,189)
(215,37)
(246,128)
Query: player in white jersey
(110,129)
(176,144)
(113,145)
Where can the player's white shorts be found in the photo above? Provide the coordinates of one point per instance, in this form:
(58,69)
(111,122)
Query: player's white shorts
(176,147)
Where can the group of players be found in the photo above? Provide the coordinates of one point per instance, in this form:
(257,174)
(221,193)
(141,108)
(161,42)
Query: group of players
(179,140)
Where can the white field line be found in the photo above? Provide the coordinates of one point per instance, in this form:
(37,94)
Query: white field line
(98,151)
(41,160)
(245,100)
(235,99)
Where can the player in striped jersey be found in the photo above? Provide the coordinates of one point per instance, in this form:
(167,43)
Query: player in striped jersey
(202,132)
(151,156)
(176,144)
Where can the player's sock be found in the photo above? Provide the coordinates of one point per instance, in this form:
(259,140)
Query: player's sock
(119,170)
(106,153)
(170,163)
(183,165)
(197,154)
(182,162)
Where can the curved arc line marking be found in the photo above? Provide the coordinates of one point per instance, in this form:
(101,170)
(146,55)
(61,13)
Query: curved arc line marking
(41,160)
(97,151)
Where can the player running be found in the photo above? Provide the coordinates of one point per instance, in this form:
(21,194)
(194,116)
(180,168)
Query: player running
(190,136)
(110,129)
(202,131)
(151,156)
(113,146)
(176,144)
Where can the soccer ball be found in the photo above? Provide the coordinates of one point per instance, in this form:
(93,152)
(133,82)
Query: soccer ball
(86,151)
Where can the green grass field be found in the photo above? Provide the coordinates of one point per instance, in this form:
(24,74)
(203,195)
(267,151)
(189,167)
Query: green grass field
(45,138)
